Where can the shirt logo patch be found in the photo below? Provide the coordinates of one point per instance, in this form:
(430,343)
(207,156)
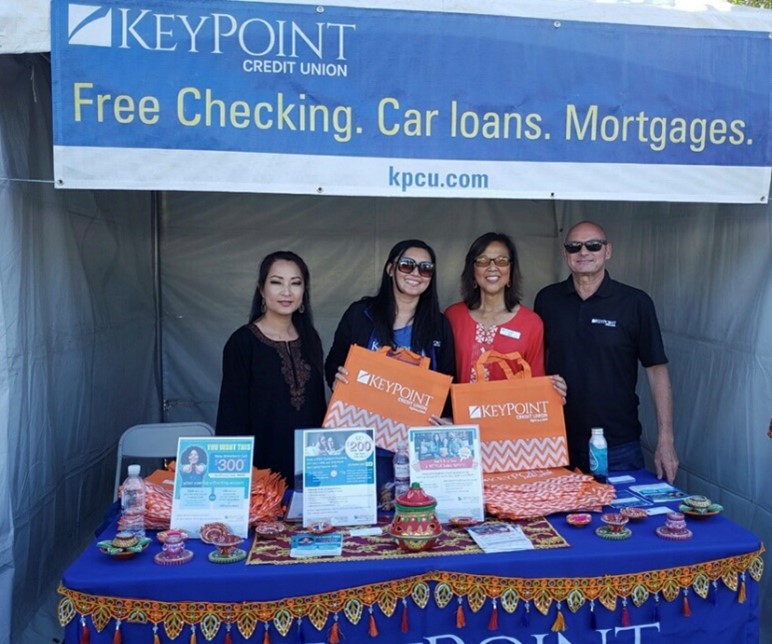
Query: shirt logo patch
(510,333)
(609,323)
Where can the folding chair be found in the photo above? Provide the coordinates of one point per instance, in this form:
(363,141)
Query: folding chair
(153,441)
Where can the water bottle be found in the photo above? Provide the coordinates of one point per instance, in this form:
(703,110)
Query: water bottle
(133,503)
(598,455)
(401,470)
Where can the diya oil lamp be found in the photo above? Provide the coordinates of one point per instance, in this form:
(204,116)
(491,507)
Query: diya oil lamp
(415,525)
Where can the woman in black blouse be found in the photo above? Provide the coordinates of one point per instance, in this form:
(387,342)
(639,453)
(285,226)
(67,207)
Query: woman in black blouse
(272,380)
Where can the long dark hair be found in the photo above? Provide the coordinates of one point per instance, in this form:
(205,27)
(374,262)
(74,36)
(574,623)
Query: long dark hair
(303,322)
(201,455)
(427,322)
(469,289)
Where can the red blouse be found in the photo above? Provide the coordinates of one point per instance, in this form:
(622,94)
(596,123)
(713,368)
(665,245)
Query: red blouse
(524,333)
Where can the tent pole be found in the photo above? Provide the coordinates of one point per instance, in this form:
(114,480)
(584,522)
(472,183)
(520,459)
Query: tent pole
(155,222)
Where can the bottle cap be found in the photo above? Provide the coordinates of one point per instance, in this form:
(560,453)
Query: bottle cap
(134,470)
(597,430)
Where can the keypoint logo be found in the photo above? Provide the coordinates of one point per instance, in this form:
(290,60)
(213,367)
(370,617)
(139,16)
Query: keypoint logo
(475,411)
(89,25)
(364,377)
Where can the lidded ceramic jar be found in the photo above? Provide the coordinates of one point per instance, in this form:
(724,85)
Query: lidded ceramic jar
(675,522)
(415,525)
(174,543)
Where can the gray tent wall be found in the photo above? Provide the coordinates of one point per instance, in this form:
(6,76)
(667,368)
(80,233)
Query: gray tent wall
(81,318)
(77,346)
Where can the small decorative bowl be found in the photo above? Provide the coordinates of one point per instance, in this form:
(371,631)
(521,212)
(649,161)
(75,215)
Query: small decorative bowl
(210,532)
(614,520)
(702,513)
(227,544)
(124,540)
(675,528)
(578,519)
(463,521)
(698,502)
(124,545)
(174,544)
(269,529)
(675,522)
(161,536)
(634,514)
(320,527)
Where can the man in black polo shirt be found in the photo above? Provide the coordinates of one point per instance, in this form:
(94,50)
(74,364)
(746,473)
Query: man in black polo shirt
(596,330)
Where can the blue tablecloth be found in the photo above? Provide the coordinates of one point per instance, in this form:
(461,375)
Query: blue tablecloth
(645,590)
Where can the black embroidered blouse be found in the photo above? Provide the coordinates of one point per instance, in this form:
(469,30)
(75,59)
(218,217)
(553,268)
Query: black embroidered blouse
(269,389)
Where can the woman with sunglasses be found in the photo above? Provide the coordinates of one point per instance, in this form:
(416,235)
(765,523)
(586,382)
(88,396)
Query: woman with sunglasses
(404,313)
(491,316)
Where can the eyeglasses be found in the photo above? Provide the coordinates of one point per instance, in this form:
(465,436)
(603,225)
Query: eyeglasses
(593,245)
(483,260)
(407,265)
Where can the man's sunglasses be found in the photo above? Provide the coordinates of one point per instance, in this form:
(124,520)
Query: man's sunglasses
(407,265)
(594,245)
(482,261)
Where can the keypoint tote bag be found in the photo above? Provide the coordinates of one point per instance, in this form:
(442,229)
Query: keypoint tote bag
(521,418)
(389,390)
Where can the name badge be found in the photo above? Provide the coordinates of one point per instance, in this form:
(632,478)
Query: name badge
(510,333)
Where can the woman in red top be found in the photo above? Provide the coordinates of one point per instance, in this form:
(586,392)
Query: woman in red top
(491,315)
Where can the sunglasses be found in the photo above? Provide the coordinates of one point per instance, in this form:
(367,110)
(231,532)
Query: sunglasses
(407,265)
(482,261)
(594,245)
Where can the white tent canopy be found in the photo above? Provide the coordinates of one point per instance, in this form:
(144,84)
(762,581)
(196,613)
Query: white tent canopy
(114,307)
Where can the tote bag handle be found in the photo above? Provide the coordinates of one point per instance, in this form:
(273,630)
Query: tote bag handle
(503,360)
(407,356)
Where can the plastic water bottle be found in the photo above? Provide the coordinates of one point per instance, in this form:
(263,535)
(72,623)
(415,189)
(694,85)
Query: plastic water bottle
(598,455)
(133,503)
(401,470)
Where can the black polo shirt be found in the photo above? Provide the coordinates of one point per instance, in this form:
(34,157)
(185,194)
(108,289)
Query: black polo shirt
(596,344)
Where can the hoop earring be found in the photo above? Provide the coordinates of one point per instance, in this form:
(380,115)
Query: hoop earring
(302,308)
(262,306)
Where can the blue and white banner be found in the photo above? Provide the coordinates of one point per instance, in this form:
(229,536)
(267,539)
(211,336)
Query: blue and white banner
(295,98)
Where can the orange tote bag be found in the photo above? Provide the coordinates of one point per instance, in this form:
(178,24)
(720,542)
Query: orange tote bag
(388,390)
(521,418)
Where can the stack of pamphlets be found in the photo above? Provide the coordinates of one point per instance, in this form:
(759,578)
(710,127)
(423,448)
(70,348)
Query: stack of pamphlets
(661,492)
(316,545)
(649,497)
(499,537)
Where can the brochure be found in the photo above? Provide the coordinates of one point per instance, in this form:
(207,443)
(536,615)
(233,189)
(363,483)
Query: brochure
(624,500)
(658,492)
(316,545)
(339,476)
(499,537)
(446,460)
(212,483)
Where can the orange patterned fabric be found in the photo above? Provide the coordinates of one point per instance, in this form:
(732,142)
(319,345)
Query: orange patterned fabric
(520,495)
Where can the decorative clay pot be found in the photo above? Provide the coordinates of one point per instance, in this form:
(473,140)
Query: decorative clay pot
(415,525)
